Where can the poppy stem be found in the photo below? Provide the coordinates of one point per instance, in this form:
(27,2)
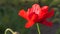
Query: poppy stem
(38,28)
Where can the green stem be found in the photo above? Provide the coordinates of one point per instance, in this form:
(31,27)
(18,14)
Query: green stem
(38,28)
(8,29)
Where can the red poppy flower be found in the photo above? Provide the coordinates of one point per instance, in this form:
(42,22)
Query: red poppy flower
(36,14)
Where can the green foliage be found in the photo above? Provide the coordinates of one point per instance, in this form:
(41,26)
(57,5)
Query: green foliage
(58,31)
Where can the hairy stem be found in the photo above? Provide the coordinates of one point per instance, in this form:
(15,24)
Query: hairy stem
(38,28)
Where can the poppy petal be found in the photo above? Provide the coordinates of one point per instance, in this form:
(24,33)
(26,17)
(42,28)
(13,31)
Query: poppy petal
(22,13)
(31,21)
(50,14)
(29,24)
(29,10)
(44,9)
(47,23)
(36,8)
(34,17)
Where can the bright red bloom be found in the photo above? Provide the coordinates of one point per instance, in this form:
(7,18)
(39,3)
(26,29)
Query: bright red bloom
(37,14)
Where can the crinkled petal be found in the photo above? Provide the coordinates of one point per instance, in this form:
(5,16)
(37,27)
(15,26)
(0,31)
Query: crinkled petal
(23,14)
(44,8)
(34,18)
(29,24)
(36,8)
(44,11)
(45,22)
(29,11)
(50,14)
(31,21)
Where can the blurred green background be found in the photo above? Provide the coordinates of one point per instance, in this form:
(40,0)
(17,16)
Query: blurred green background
(9,16)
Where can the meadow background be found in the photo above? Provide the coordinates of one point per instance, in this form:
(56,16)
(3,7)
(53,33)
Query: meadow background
(9,16)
